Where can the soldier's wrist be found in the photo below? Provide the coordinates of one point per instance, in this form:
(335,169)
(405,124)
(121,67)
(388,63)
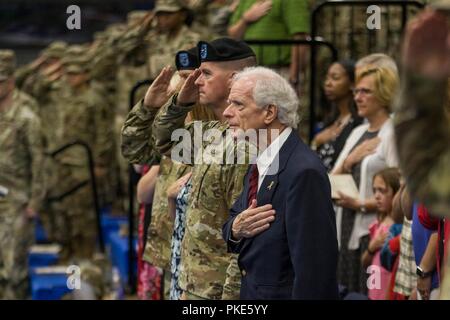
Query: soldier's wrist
(176,109)
(181,104)
(145,111)
(149,107)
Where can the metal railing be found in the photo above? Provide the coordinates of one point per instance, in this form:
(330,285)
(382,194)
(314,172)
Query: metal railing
(92,180)
(404,4)
(312,42)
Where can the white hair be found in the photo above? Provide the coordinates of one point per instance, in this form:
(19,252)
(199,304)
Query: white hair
(272,89)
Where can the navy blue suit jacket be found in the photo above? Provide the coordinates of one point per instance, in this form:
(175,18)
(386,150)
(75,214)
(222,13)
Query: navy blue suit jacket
(296,258)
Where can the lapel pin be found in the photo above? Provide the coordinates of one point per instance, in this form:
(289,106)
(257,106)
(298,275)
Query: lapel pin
(269,187)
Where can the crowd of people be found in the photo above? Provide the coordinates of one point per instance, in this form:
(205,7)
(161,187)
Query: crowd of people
(265,227)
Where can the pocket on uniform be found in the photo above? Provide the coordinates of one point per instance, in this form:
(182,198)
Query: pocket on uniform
(209,193)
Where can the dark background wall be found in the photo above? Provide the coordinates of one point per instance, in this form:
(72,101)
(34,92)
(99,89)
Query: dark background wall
(27,26)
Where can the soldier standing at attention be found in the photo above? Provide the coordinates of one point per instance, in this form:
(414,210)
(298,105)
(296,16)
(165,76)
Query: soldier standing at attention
(135,136)
(84,117)
(21,159)
(171,35)
(207,271)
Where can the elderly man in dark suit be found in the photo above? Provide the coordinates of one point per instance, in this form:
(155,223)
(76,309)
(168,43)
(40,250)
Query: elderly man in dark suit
(283,223)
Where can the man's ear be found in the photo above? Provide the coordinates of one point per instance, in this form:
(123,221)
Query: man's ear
(230,79)
(271,114)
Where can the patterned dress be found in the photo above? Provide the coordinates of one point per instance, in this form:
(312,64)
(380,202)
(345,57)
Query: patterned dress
(329,151)
(177,238)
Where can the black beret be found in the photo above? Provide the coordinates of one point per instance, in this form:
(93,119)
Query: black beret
(187,60)
(223,49)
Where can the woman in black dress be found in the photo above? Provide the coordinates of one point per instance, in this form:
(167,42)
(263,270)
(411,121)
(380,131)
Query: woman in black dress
(338,87)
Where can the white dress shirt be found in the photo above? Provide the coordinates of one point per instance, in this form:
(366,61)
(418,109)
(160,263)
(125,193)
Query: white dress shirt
(266,158)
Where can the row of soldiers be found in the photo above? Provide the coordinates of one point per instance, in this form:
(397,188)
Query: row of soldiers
(80,92)
(73,93)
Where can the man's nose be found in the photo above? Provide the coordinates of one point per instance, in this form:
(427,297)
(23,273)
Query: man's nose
(199,81)
(228,112)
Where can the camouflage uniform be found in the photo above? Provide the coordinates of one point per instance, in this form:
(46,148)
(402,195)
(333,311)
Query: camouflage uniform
(84,118)
(136,148)
(21,159)
(27,74)
(203,10)
(103,74)
(162,49)
(122,55)
(44,83)
(144,54)
(207,269)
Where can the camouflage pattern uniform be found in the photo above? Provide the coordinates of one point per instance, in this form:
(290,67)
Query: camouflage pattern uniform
(21,159)
(207,269)
(103,73)
(45,84)
(211,17)
(145,54)
(26,76)
(84,118)
(124,53)
(136,148)
(162,48)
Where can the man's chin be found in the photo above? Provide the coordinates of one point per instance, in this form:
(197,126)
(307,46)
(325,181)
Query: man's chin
(202,100)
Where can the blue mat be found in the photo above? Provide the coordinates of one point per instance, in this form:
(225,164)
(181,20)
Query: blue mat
(48,286)
(42,259)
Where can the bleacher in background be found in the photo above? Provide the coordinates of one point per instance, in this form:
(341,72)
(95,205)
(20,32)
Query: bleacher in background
(48,279)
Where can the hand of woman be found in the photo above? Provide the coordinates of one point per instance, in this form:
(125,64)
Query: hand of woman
(366,148)
(348,202)
(174,189)
(326,135)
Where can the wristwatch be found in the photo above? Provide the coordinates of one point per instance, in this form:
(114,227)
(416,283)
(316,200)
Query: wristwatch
(362,207)
(422,274)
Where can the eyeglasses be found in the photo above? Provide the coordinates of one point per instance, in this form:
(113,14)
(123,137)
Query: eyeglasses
(363,91)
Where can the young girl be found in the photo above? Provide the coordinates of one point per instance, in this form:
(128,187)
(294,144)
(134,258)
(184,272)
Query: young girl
(385,185)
